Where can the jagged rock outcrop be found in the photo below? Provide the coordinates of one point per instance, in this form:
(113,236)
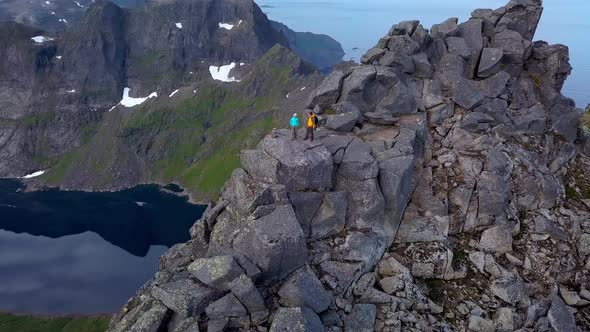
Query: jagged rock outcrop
(444,208)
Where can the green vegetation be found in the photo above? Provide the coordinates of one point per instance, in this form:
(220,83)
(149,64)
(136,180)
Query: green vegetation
(193,141)
(12,323)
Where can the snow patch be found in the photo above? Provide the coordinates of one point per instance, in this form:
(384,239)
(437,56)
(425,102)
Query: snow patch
(240,22)
(221,73)
(71,91)
(302,89)
(179,25)
(287,95)
(241,64)
(141,204)
(226,26)
(52,13)
(63,20)
(33,175)
(78,4)
(47,3)
(173,93)
(58,57)
(130,101)
(41,39)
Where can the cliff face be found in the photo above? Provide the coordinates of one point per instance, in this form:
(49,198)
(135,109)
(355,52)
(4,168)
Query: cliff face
(57,88)
(433,199)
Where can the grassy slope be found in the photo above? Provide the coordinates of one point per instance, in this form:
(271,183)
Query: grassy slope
(12,323)
(193,139)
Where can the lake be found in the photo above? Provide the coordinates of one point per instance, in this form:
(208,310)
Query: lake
(358,25)
(85,253)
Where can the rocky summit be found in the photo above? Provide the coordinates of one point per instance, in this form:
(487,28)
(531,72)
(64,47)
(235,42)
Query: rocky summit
(444,192)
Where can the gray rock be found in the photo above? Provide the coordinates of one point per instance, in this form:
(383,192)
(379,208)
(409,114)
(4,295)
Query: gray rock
(438,114)
(572,298)
(504,320)
(372,55)
(497,239)
(432,94)
(227,306)
(260,165)
(466,93)
(495,85)
(423,68)
(149,320)
(423,229)
(584,245)
(560,317)
(546,226)
(361,318)
(331,216)
(497,109)
(403,44)
(328,92)
(306,205)
(514,47)
(532,120)
(510,290)
(364,283)
(216,272)
(247,293)
(403,28)
(342,273)
(300,319)
(565,120)
(354,85)
(331,318)
(396,59)
(214,325)
(478,324)
(303,288)
(358,164)
(477,122)
(302,165)
(446,28)
(343,122)
(458,46)
(391,285)
(185,297)
(490,61)
(275,243)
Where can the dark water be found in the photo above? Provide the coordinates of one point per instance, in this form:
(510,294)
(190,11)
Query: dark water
(77,252)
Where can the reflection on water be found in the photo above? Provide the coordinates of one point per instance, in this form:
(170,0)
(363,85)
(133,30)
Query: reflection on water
(75,252)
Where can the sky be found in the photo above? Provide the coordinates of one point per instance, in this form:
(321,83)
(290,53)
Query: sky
(358,25)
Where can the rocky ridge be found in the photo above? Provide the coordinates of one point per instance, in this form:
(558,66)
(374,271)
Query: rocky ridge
(443,194)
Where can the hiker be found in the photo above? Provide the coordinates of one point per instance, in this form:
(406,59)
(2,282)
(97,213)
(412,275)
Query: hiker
(312,121)
(295,125)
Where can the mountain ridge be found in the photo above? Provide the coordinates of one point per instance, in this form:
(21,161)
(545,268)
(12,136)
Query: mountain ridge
(434,199)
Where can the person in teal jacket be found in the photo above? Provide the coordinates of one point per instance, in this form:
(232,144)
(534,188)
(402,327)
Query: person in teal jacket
(294,125)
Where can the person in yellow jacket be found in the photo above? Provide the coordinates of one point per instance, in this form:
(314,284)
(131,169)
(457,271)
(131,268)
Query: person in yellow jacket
(312,121)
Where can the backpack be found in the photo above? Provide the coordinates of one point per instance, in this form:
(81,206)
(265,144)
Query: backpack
(315,120)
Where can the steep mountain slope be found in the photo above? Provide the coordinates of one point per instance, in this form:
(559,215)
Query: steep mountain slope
(446,192)
(321,50)
(57,87)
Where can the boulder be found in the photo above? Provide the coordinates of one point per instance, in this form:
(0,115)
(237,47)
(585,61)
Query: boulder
(343,122)
(495,85)
(438,114)
(302,165)
(511,290)
(227,306)
(560,317)
(361,318)
(446,28)
(504,320)
(260,165)
(423,68)
(303,288)
(149,320)
(306,205)
(216,272)
(432,94)
(354,85)
(458,46)
(490,61)
(372,55)
(514,47)
(422,229)
(300,319)
(403,44)
(497,239)
(532,120)
(479,324)
(358,164)
(400,60)
(466,93)
(584,245)
(185,297)
(275,243)
(331,216)
(247,293)
(328,92)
